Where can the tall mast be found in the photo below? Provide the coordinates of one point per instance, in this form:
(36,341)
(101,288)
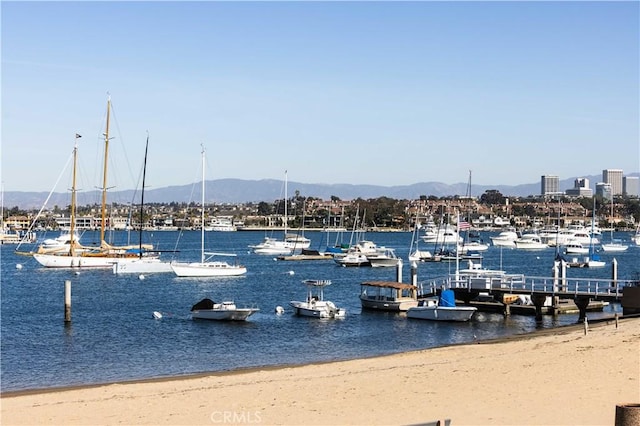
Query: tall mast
(286,201)
(202,216)
(72,214)
(144,173)
(104,175)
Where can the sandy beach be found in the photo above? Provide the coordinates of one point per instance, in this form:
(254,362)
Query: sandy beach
(553,377)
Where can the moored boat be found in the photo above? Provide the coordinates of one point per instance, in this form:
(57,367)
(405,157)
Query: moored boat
(443,308)
(314,305)
(388,295)
(224,311)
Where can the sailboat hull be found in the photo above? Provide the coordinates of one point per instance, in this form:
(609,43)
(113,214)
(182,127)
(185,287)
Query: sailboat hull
(141,266)
(207,269)
(58,261)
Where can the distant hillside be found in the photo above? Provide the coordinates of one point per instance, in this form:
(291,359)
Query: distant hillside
(238,191)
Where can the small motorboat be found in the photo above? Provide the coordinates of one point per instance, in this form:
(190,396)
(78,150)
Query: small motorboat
(225,311)
(315,306)
(441,309)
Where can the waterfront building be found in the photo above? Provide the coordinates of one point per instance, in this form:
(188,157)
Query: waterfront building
(631,186)
(549,185)
(614,178)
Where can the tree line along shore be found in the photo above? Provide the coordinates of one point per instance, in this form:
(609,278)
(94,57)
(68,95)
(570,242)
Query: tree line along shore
(491,210)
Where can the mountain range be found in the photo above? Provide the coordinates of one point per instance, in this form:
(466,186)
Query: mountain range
(235,191)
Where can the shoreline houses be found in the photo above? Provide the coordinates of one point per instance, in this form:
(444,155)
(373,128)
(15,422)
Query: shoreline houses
(335,214)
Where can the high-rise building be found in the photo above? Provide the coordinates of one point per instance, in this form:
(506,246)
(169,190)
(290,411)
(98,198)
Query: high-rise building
(549,185)
(631,186)
(580,188)
(613,177)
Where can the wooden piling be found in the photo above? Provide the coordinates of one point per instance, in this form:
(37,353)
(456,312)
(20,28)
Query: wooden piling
(414,273)
(399,271)
(627,415)
(67,301)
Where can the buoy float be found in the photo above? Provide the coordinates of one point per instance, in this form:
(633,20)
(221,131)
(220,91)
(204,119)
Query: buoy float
(141,277)
(19,266)
(157,315)
(291,273)
(279,310)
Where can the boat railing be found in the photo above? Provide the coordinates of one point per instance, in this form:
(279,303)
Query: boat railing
(520,284)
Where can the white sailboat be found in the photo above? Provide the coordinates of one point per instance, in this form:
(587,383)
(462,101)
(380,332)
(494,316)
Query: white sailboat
(290,242)
(593,261)
(206,267)
(415,254)
(144,263)
(614,245)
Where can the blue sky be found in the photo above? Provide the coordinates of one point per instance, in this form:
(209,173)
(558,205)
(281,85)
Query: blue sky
(383,93)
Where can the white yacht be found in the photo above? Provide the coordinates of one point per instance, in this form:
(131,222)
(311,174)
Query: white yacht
(530,242)
(505,238)
(384,257)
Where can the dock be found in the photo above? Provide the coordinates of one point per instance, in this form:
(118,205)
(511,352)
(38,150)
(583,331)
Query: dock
(564,306)
(517,293)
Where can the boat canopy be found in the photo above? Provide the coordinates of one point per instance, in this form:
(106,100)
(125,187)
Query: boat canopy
(388,284)
(203,304)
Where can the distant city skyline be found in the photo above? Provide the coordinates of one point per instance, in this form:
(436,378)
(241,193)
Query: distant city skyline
(365,93)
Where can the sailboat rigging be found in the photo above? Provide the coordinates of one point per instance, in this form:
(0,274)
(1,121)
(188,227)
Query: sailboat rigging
(614,245)
(593,261)
(78,256)
(205,267)
(289,243)
(146,261)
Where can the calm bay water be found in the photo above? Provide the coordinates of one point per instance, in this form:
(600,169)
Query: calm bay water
(113,336)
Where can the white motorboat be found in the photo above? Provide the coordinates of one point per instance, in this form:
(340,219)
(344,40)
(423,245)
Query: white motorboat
(225,311)
(290,242)
(59,244)
(388,296)
(530,242)
(357,255)
(272,246)
(384,257)
(315,306)
(206,267)
(222,224)
(441,309)
(575,247)
(505,238)
(446,235)
(615,246)
(472,246)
